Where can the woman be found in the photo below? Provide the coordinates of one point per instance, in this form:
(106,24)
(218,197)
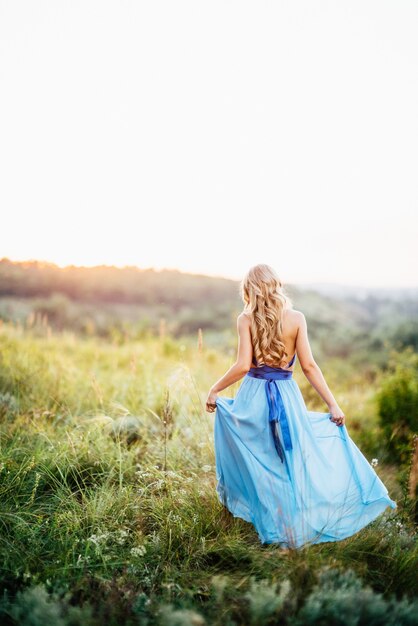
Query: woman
(295,474)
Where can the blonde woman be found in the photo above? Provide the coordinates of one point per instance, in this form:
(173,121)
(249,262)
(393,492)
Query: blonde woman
(295,474)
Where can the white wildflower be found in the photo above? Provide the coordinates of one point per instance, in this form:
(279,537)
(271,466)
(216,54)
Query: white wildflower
(97,539)
(374,462)
(82,559)
(138,551)
(143,474)
(122,536)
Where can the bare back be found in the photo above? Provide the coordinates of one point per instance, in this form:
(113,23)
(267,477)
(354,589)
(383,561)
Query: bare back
(291,321)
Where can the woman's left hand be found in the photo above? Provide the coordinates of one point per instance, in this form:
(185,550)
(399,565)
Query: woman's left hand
(211,401)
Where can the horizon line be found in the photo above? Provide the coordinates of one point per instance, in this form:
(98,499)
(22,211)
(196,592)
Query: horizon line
(300,283)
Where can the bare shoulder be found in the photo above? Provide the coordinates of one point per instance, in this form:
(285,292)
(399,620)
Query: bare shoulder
(294,317)
(297,315)
(243,320)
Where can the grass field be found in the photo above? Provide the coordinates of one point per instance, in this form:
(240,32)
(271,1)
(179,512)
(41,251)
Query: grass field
(108,507)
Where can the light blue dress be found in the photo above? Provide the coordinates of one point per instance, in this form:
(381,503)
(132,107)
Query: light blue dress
(293,473)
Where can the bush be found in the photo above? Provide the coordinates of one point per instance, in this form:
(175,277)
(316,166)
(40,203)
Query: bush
(34,606)
(9,405)
(340,599)
(398,405)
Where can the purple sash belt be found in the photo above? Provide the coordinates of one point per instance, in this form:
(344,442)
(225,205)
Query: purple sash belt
(277,412)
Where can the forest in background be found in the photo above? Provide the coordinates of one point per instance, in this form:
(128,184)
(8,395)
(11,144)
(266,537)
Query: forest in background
(130,303)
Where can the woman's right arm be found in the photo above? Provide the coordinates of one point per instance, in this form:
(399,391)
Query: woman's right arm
(313,372)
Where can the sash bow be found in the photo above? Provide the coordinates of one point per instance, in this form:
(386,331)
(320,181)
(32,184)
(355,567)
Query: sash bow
(277,411)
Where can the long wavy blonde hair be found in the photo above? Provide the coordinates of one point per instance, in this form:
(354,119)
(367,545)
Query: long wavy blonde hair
(265,301)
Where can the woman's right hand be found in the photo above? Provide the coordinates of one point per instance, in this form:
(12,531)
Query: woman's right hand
(337,415)
(211,401)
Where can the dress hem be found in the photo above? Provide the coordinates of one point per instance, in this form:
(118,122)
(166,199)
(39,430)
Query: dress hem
(319,536)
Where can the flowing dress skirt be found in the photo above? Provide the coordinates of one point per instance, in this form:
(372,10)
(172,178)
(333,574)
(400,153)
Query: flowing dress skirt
(322,489)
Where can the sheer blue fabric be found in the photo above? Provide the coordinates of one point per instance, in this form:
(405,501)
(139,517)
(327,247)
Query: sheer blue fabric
(277,412)
(293,473)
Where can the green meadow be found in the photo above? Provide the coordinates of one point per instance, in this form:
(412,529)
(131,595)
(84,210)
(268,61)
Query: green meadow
(108,507)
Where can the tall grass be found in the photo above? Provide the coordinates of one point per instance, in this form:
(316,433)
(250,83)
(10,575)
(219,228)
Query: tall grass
(109,512)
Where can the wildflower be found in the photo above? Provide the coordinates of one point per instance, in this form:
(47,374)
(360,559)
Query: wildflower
(155,537)
(122,537)
(82,559)
(138,551)
(97,539)
(143,474)
(374,462)
(206,468)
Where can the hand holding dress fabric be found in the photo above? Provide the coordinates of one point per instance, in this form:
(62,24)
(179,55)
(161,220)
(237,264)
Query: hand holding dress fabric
(211,402)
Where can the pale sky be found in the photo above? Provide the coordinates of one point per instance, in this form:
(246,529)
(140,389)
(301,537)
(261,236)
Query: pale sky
(212,135)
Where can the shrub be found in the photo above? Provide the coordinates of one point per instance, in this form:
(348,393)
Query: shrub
(340,599)
(34,606)
(398,406)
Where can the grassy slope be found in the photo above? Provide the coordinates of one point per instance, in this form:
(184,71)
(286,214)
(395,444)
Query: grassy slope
(87,514)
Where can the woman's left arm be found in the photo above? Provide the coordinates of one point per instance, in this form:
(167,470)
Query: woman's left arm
(241,365)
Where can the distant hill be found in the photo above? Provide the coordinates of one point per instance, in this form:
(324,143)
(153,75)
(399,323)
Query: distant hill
(105,297)
(106,300)
(104,283)
(359,292)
